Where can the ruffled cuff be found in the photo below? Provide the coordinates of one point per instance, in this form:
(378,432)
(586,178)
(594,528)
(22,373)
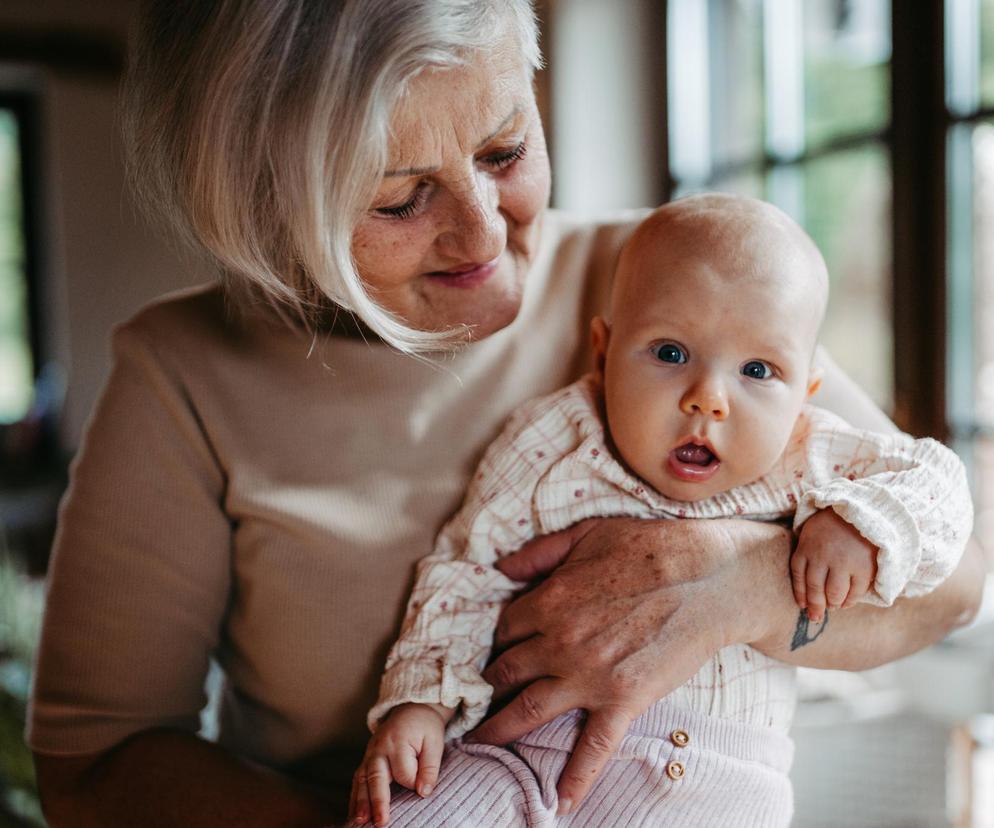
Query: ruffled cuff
(882,519)
(434,681)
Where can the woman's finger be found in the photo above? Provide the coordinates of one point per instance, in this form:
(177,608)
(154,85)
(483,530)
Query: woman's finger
(378,783)
(429,762)
(520,666)
(541,555)
(598,742)
(537,704)
(517,620)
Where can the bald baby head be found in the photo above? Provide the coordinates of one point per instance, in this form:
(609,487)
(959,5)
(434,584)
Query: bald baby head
(740,244)
(716,306)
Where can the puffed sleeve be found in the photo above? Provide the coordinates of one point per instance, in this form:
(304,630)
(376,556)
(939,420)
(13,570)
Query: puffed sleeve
(909,498)
(140,573)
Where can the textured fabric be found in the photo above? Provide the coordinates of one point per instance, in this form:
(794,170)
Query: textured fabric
(551,468)
(729,775)
(241,495)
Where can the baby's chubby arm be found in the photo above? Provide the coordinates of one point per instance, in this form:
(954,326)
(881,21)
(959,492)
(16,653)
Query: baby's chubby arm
(881,516)
(406,748)
(447,633)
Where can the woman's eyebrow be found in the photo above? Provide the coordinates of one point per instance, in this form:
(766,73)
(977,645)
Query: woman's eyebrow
(410,172)
(500,128)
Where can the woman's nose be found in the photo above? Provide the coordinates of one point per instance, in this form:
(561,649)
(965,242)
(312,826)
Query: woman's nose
(707,397)
(476,231)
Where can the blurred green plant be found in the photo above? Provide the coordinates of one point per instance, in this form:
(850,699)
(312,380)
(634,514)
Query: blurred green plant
(21,604)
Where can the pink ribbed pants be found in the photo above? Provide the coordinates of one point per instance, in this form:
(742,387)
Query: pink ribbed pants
(674,768)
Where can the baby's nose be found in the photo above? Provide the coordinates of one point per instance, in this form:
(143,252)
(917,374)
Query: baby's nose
(706,398)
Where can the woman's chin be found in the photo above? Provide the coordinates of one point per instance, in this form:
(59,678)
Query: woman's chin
(485,311)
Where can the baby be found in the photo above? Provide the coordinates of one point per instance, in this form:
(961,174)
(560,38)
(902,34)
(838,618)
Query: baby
(697,409)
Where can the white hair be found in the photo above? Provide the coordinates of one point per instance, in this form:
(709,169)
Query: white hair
(258,129)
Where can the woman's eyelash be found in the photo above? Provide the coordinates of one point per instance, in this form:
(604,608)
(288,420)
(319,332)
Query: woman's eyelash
(505,159)
(499,160)
(409,208)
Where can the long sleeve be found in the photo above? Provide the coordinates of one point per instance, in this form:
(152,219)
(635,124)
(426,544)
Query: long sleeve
(140,576)
(908,497)
(447,633)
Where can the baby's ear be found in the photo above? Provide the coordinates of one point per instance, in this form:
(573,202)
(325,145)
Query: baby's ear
(600,333)
(814,381)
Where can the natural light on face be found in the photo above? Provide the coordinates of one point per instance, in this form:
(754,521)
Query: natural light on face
(15,352)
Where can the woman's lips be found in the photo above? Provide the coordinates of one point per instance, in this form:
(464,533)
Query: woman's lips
(465,276)
(693,462)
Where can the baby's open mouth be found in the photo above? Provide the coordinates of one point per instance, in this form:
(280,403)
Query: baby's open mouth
(694,455)
(693,462)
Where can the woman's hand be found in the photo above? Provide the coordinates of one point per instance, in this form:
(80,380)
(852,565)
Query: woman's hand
(632,610)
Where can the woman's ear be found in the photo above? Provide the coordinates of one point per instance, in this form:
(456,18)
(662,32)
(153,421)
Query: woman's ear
(814,381)
(600,333)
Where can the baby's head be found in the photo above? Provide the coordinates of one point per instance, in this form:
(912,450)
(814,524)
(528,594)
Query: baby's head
(707,357)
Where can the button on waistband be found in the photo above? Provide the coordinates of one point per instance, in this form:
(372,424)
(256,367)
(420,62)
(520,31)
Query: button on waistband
(675,770)
(680,738)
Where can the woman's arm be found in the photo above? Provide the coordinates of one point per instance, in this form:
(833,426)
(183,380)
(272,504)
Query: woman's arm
(168,778)
(659,598)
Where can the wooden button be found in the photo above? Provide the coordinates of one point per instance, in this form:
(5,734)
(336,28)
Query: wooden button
(675,770)
(680,738)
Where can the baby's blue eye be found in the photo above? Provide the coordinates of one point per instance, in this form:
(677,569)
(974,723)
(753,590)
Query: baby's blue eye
(757,370)
(668,352)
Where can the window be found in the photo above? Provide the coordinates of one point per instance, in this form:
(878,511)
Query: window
(16,359)
(969,144)
(790,102)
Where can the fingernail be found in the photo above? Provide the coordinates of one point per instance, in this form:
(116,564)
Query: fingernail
(426,790)
(565,806)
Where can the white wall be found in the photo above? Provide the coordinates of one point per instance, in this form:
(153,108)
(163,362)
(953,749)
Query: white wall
(608,127)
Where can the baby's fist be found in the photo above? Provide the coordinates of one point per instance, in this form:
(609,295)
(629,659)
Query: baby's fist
(833,565)
(406,748)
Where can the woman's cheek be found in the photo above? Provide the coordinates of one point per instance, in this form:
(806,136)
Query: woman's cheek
(387,255)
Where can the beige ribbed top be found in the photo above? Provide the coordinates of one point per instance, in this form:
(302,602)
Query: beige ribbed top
(239,496)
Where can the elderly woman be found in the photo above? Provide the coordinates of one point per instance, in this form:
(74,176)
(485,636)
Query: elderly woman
(272,454)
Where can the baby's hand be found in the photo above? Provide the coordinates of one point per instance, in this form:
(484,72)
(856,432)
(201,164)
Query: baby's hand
(406,748)
(833,565)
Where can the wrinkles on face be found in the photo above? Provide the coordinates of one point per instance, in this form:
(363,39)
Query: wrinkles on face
(467,185)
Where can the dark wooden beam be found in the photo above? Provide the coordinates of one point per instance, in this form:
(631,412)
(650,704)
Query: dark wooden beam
(918,153)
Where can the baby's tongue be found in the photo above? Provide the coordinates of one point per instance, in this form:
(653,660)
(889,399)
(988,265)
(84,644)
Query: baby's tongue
(697,455)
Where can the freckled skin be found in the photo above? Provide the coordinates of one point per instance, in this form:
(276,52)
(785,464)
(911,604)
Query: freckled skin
(455,122)
(729,285)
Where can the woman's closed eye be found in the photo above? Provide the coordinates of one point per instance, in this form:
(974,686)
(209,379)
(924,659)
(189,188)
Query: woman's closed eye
(505,158)
(495,161)
(757,369)
(409,207)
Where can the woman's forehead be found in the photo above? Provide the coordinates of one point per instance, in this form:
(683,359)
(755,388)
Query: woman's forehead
(469,105)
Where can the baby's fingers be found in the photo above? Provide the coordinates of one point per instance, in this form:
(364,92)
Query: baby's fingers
(378,787)
(359,810)
(798,572)
(429,762)
(814,584)
(858,587)
(837,587)
(404,765)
